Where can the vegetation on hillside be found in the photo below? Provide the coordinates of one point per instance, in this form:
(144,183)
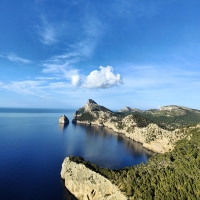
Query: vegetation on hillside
(171,119)
(86,116)
(165,121)
(173,175)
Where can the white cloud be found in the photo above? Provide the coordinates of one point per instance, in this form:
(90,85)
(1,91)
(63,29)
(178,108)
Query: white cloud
(47,32)
(105,78)
(76,80)
(15,58)
(58,85)
(45,78)
(34,87)
(63,70)
(23,87)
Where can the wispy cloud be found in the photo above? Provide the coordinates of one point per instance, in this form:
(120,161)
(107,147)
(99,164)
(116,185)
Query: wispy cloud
(64,65)
(136,9)
(45,78)
(165,78)
(48,34)
(35,87)
(23,87)
(15,58)
(60,69)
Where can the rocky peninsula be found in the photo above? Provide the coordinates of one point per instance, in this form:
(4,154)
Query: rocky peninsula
(138,125)
(172,131)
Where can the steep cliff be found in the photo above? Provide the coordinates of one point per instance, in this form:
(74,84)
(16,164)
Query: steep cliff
(173,175)
(154,136)
(86,184)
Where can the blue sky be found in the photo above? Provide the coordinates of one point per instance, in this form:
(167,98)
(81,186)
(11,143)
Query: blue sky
(137,53)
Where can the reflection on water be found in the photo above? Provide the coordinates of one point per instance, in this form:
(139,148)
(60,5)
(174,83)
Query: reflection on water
(62,126)
(110,149)
(67,195)
(33,146)
(106,148)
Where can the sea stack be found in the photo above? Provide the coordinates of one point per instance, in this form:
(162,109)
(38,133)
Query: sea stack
(63,120)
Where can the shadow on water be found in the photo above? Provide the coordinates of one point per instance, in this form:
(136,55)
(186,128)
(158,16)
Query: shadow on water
(135,148)
(67,195)
(114,143)
(106,148)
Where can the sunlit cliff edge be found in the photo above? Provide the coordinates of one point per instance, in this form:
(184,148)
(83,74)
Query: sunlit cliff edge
(87,184)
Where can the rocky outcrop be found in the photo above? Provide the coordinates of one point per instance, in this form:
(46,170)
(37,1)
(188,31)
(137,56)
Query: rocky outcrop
(74,120)
(86,184)
(128,109)
(150,135)
(63,120)
(136,127)
(172,111)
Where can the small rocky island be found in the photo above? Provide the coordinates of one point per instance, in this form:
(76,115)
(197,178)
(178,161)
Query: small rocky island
(63,120)
(172,131)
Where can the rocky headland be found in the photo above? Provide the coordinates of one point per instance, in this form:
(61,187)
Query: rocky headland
(145,127)
(172,131)
(87,184)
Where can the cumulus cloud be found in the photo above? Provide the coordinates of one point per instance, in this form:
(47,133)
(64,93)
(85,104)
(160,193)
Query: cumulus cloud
(76,80)
(102,79)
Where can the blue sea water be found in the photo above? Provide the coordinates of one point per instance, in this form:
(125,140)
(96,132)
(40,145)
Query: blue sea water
(33,146)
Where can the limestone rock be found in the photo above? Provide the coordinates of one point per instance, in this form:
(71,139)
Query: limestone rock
(150,135)
(128,109)
(63,120)
(91,105)
(86,184)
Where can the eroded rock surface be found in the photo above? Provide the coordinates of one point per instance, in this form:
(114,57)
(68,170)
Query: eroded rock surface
(63,120)
(86,184)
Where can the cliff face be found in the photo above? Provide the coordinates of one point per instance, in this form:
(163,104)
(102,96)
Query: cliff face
(86,184)
(136,127)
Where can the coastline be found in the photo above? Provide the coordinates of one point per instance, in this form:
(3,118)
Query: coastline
(161,145)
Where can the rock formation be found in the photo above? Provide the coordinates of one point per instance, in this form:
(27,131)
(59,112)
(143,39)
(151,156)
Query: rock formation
(74,120)
(86,184)
(137,127)
(63,120)
(128,109)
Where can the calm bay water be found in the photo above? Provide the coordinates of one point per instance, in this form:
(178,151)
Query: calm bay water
(33,146)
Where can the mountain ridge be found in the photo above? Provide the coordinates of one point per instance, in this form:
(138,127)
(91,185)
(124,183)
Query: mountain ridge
(157,130)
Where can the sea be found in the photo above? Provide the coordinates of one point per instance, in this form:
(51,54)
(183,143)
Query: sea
(33,146)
